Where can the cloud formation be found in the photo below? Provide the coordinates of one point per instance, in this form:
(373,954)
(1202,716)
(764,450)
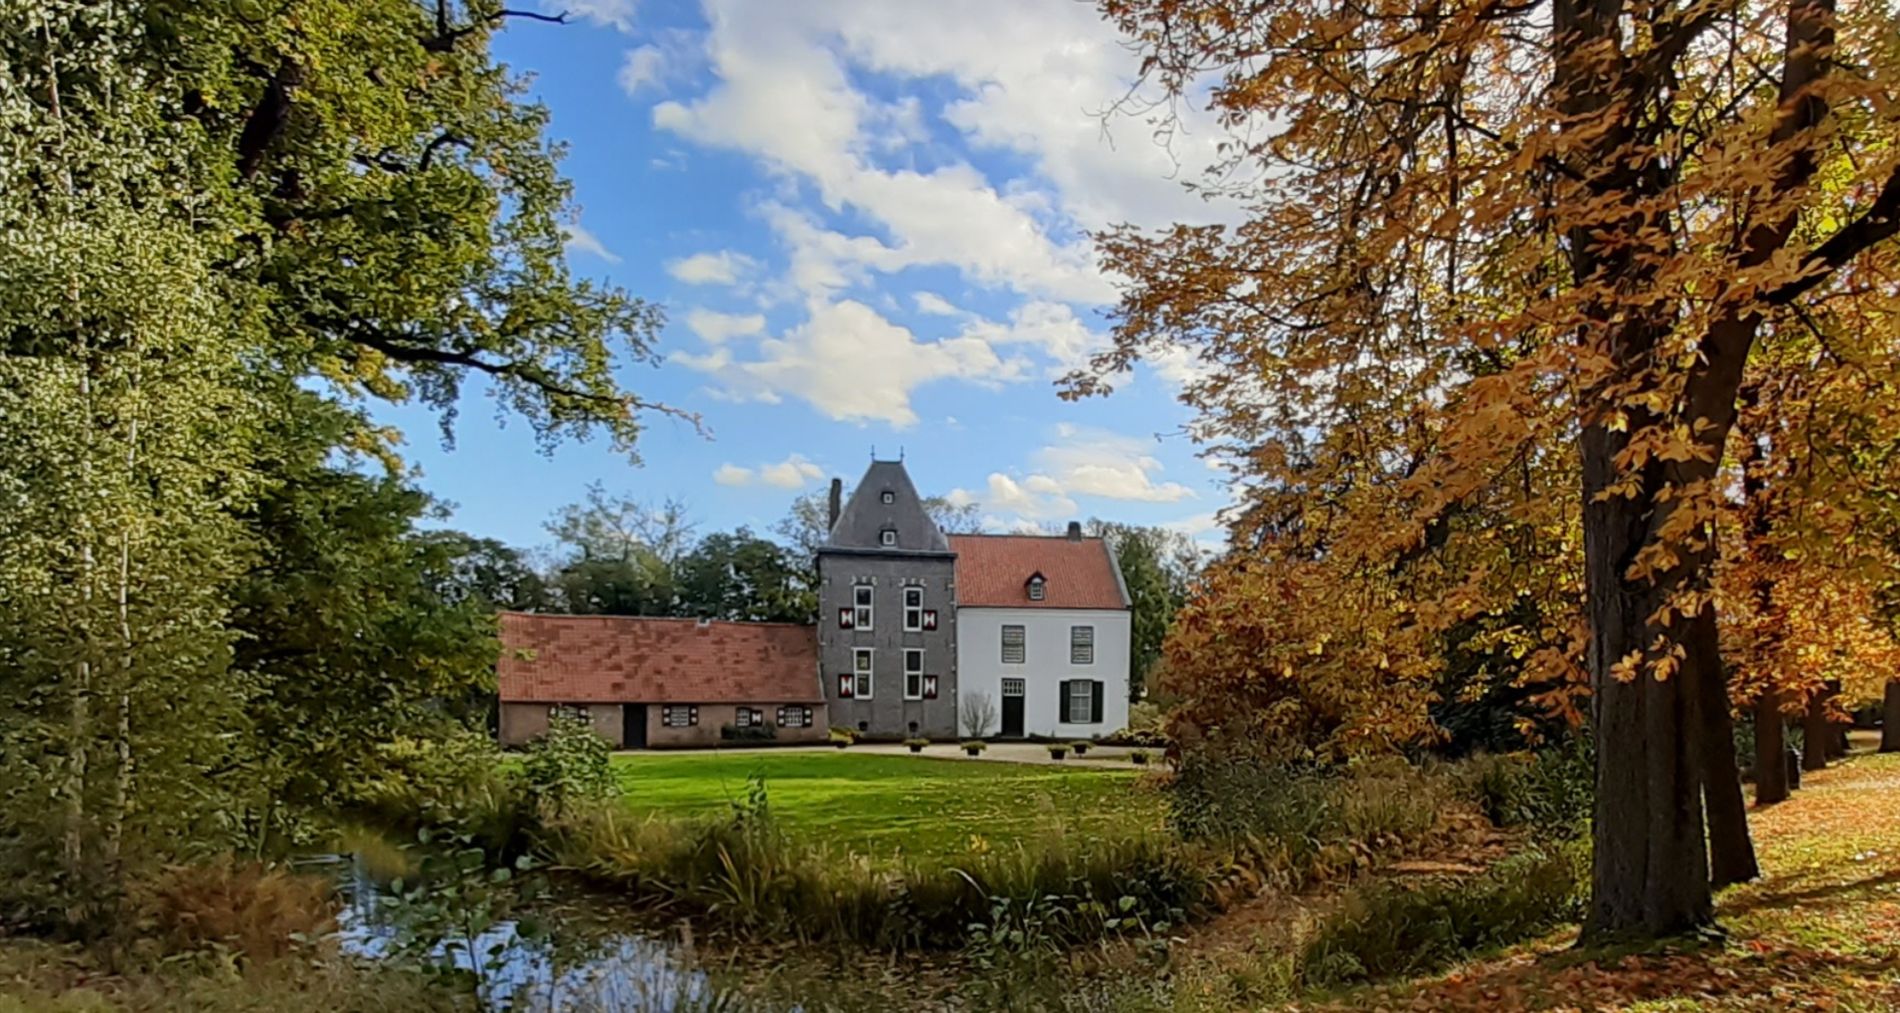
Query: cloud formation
(795,472)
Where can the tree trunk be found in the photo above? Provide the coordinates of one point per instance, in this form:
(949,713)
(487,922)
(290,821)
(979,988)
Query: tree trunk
(1731,852)
(1890,719)
(1649,869)
(1771,760)
(1815,730)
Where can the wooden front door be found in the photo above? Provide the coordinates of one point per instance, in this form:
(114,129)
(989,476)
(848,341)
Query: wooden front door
(1012,708)
(633,733)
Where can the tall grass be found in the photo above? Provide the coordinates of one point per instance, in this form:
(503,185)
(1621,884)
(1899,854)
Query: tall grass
(748,874)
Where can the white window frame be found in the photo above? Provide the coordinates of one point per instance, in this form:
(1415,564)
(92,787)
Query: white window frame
(863,676)
(863,606)
(1022,644)
(913,609)
(1081,645)
(887,537)
(913,673)
(887,496)
(1036,588)
(1088,702)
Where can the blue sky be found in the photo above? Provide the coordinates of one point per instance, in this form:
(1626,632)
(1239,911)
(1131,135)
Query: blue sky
(867,222)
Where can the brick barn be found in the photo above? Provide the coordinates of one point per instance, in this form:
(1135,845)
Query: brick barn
(656,683)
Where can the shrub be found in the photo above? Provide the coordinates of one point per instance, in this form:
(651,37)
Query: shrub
(1139,757)
(256,911)
(975,746)
(916,745)
(1391,930)
(1550,790)
(1057,751)
(568,763)
(456,782)
(1080,746)
(750,733)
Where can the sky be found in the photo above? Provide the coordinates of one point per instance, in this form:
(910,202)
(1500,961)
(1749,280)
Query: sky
(868,222)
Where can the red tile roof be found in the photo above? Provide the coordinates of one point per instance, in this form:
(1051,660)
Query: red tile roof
(994,570)
(628,659)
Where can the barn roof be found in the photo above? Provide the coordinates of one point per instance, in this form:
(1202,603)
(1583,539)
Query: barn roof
(639,659)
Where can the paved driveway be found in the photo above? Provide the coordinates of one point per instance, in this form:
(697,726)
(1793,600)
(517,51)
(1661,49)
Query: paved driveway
(1012,752)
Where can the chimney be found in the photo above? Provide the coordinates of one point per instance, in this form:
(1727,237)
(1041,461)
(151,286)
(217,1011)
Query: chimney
(833,505)
(1075,531)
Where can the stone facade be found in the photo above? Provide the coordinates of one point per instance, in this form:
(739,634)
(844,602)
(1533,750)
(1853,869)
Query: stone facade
(884,548)
(618,723)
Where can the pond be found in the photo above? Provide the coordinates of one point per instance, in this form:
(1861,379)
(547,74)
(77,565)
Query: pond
(513,970)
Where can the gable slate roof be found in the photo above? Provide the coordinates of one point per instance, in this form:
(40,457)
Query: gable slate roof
(638,659)
(866,515)
(993,571)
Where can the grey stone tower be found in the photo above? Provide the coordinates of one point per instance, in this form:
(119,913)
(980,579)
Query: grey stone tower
(887,611)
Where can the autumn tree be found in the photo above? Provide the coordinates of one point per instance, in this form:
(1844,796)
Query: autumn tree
(1503,223)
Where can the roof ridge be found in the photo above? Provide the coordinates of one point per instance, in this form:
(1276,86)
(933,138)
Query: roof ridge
(656,619)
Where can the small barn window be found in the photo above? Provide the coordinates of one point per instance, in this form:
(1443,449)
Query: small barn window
(1036,587)
(887,497)
(679,716)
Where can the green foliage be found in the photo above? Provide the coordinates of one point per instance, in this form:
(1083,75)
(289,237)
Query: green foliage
(1392,929)
(1550,790)
(447,914)
(1156,567)
(750,733)
(568,764)
(454,785)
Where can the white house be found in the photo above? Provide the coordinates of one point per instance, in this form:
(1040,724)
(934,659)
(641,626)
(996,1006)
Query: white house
(1043,630)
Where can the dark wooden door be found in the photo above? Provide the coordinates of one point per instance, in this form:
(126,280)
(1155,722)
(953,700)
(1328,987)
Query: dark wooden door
(1012,708)
(634,733)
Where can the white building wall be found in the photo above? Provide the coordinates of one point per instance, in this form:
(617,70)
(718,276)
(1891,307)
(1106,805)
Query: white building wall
(980,667)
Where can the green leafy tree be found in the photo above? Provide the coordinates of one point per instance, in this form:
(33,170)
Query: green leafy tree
(741,576)
(1156,566)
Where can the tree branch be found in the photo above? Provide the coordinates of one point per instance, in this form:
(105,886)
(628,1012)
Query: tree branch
(445,37)
(1880,223)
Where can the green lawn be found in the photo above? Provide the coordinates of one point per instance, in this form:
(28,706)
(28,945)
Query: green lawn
(881,805)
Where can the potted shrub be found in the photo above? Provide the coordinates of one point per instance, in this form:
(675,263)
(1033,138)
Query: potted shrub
(1081,746)
(916,745)
(1139,757)
(1057,750)
(974,747)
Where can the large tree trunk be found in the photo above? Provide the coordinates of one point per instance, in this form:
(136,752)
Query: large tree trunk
(1731,852)
(1815,731)
(1649,872)
(1890,719)
(1771,761)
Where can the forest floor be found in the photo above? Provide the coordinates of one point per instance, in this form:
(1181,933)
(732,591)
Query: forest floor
(1819,931)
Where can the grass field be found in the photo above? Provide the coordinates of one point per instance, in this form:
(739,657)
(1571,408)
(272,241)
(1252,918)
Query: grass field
(881,805)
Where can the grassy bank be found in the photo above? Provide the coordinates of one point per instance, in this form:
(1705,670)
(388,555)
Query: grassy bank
(883,806)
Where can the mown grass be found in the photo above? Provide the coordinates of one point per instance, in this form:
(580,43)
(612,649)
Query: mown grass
(884,806)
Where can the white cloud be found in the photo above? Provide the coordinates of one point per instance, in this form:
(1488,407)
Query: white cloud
(724,267)
(579,240)
(1051,327)
(612,13)
(641,68)
(1035,498)
(1096,462)
(715,328)
(827,361)
(795,472)
(935,305)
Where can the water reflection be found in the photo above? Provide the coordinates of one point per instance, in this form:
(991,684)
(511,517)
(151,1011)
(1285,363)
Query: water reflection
(615,973)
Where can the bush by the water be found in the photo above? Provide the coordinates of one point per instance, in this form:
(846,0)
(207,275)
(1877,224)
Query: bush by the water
(569,763)
(1391,929)
(747,873)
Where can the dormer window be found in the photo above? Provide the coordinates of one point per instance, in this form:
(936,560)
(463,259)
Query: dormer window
(887,496)
(887,537)
(1036,587)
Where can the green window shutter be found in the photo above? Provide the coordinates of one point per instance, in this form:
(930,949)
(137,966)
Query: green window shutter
(1095,703)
